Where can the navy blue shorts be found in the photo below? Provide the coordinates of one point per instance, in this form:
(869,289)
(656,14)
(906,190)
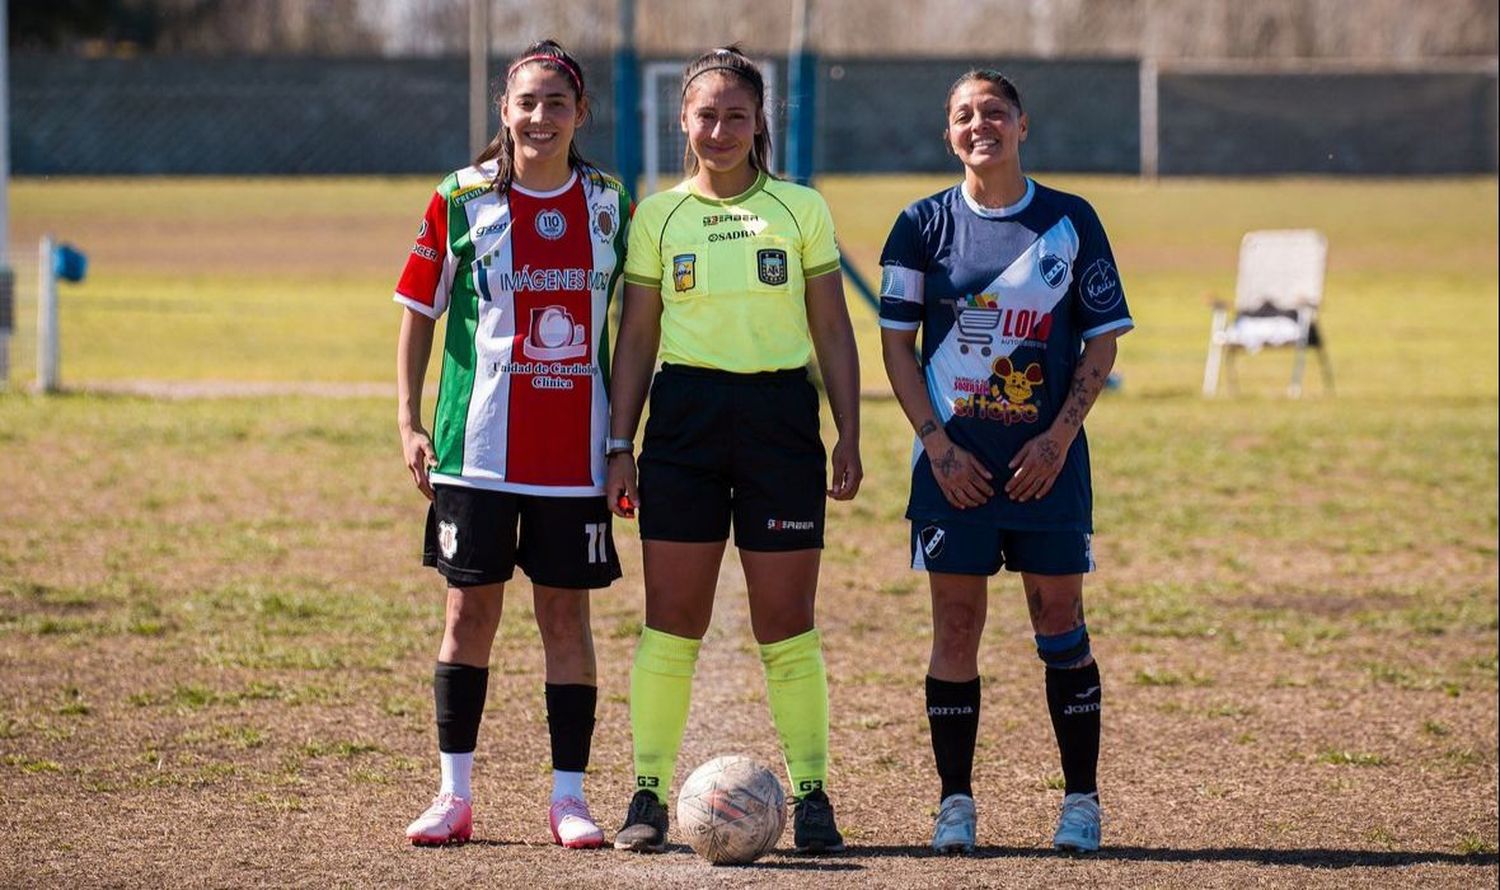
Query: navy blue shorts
(961,548)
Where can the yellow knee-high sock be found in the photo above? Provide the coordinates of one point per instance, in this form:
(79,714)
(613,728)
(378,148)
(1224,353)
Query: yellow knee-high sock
(661,687)
(797,686)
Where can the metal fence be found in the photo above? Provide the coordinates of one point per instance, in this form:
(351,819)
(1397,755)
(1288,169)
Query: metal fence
(281,115)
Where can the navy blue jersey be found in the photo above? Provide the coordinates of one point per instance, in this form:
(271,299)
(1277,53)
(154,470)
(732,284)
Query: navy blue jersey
(1004,299)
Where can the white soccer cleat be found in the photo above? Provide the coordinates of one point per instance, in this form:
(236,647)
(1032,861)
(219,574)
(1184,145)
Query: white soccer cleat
(1078,826)
(450,820)
(955,828)
(573,827)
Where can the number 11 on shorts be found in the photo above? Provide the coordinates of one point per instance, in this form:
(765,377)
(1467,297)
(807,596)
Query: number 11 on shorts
(598,534)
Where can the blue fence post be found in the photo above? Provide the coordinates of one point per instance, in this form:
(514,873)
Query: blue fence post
(627,102)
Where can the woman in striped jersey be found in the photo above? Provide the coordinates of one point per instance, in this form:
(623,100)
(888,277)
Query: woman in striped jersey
(522,249)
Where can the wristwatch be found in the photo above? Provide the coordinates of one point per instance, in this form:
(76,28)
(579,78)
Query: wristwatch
(613,446)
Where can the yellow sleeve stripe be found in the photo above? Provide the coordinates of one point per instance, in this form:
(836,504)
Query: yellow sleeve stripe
(824,269)
(642,280)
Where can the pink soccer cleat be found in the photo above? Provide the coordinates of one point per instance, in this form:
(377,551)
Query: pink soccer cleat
(573,827)
(450,820)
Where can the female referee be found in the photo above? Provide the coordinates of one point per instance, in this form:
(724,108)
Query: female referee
(522,249)
(1015,290)
(734,274)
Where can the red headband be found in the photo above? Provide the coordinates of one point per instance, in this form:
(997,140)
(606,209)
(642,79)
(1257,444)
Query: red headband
(567,67)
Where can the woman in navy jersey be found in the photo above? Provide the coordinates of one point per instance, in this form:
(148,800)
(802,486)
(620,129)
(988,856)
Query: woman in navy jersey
(1014,288)
(522,249)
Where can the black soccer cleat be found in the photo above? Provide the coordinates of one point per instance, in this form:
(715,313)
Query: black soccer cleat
(813,829)
(645,828)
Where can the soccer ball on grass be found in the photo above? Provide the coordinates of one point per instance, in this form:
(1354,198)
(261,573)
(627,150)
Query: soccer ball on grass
(732,810)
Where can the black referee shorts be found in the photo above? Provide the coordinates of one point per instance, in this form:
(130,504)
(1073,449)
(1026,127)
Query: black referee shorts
(739,449)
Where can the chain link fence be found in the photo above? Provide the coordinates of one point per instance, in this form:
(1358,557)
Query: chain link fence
(299,115)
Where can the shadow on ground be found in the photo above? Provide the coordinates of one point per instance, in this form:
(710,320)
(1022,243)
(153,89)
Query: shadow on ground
(1311,858)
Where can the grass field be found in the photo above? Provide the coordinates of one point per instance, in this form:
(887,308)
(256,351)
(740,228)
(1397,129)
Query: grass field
(216,641)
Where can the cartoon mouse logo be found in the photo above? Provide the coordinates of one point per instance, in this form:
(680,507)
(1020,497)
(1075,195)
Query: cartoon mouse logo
(1019,386)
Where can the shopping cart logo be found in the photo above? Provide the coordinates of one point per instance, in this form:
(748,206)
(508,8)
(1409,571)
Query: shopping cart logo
(976,318)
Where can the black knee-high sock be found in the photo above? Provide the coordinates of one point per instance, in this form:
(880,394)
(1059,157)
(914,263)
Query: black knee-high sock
(570,723)
(458,691)
(1073,697)
(953,714)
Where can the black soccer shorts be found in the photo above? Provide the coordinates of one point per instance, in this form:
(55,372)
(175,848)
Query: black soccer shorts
(726,449)
(472,538)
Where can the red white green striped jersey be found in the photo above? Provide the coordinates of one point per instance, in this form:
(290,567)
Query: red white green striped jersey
(526,279)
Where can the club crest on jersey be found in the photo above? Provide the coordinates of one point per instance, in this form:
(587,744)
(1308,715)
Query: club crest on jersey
(932,540)
(770,266)
(1054,270)
(684,276)
(447,539)
(551,224)
(606,222)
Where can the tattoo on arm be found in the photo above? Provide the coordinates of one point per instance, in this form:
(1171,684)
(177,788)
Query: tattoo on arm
(1078,611)
(947,464)
(1082,392)
(928,428)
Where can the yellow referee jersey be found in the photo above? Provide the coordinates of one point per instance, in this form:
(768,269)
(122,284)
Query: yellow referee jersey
(732,272)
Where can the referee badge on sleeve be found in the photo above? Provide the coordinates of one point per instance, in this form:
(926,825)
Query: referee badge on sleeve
(771,266)
(683,276)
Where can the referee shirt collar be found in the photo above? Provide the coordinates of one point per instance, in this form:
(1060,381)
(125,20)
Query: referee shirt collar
(760,183)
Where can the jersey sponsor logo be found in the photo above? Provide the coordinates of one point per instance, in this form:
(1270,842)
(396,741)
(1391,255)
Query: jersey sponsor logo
(1008,399)
(770,266)
(492,229)
(474,191)
(684,277)
(424,252)
(932,539)
(605,222)
(554,369)
(981,321)
(554,336)
(1101,286)
(976,318)
(790,525)
(714,237)
(1054,270)
(1025,324)
(551,224)
(447,539)
(422,227)
(716,219)
(529,279)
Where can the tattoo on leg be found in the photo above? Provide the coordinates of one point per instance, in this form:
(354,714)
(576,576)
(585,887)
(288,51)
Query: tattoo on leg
(1034,603)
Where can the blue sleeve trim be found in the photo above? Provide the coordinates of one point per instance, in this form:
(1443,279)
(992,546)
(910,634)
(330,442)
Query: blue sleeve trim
(1117,324)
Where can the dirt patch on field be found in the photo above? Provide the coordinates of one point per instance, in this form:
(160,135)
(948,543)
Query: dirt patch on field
(217,648)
